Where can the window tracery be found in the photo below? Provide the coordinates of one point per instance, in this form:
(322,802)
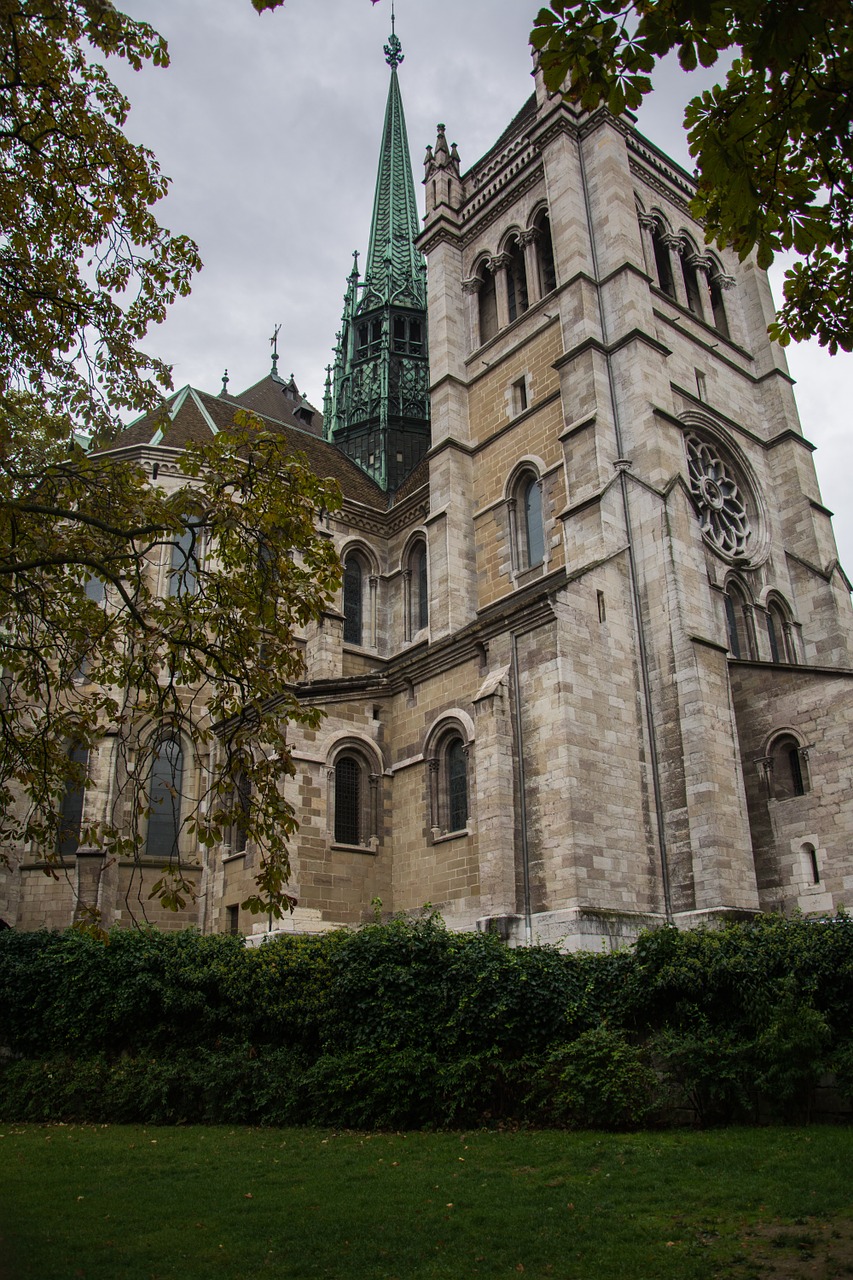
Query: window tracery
(717,492)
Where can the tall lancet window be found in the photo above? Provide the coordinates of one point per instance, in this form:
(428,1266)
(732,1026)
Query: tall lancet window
(353,611)
(516,281)
(165,785)
(488,305)
(545,254)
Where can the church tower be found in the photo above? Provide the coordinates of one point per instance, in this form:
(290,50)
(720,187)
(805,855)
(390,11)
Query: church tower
(376,407)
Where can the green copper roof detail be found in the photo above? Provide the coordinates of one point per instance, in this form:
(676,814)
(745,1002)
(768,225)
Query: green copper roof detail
(376,404)
(394,271)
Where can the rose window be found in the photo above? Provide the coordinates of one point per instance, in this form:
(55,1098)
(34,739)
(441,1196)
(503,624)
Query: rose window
(722,510)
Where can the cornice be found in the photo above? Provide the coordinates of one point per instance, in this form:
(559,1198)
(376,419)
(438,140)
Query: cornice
(735,427)
(789,436)
(440,230)
(610,348)
(475,222)
(712,348)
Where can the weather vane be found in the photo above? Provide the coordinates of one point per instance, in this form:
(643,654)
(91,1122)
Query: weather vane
(393,49)
(274,345)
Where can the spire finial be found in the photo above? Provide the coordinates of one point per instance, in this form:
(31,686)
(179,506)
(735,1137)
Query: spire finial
(393,49)
(225,380)
(274,345)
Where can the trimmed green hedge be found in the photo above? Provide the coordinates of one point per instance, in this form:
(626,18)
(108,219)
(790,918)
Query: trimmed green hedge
(404,1025)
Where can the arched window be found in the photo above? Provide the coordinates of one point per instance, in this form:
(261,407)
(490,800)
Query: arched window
(529,533)
(354,796)
(533,531)
(663,262)
(809,853)
(456,765)
(721,323)
(779,635)
(449,781)
(516,280)
(738,623)
(545,253)
(185,559)
(164,800)
(418,603)
(691,282)
(788,775)
(353,596)
(487,302)
(348,800)
(71,809)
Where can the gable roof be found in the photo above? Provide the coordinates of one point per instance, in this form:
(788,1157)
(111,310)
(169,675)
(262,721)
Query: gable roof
(193,415)
(274,398)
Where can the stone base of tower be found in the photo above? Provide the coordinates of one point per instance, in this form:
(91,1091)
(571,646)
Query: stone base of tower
(581,929)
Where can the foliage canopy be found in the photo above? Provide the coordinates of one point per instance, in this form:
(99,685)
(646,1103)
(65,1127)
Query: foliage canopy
(404,1024)
(773,144)
(101,661)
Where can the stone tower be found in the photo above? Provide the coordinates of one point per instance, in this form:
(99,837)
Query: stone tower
(591,669)
(377,393)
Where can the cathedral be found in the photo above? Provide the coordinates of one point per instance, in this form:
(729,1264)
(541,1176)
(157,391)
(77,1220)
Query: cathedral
(591,668)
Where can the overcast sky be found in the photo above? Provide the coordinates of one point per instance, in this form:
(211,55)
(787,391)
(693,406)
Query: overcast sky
(269,126)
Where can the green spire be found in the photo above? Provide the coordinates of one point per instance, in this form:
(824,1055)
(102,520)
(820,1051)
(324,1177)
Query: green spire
(376,408)
(394,271)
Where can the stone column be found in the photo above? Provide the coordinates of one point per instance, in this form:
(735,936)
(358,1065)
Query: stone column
(674,246)
(493,785)
(471,291)
(434,804)
(696,261)
(528,241)
(408,629)
(373,811)
(498,266)
(647,223)
(373,590)
(704,267)
(724,283)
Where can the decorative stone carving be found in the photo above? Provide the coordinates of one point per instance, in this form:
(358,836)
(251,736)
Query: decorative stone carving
(722,509)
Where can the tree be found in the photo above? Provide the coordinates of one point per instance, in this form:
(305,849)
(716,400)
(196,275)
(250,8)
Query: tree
(87,645)
(773,145)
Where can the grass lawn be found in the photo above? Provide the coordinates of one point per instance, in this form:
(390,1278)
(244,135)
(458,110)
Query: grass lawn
(121,1203)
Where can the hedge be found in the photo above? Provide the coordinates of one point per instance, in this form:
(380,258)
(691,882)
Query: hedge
(406,1025)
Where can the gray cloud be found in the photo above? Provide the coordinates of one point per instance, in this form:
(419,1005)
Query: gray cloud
(269,126)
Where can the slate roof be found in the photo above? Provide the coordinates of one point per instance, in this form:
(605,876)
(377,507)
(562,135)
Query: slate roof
(413,481)
(275,398)
(193,415)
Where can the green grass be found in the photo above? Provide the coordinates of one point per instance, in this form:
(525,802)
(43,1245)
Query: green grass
(121,1203)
